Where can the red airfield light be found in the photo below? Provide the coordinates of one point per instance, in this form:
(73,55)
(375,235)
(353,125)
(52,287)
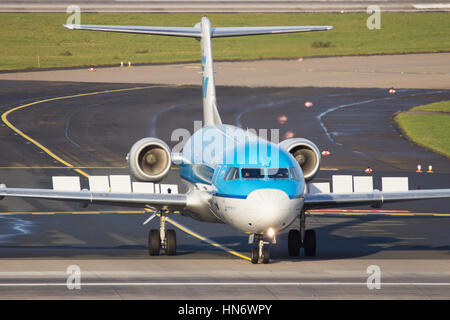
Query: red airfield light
(282,119)
(391,90)
(288,135)
(368,170)
(91,69)
(326,153)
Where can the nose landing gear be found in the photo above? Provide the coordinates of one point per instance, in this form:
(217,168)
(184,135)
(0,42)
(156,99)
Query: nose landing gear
(259,251)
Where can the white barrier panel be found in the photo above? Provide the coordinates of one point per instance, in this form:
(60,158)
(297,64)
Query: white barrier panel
(391,184)
(169,188)
(363,184)
(319,187)
(342,184)
(143,187)
(99,183)
(120,183)
(66,183)
(157,188)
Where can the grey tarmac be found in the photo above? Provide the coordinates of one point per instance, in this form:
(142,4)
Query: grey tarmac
(220,6)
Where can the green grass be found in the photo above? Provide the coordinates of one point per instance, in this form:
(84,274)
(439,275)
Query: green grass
(429,130)
(24,36)
(441,106)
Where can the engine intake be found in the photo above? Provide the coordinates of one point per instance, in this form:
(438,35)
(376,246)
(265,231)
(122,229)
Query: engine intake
(149,159)
(306,153)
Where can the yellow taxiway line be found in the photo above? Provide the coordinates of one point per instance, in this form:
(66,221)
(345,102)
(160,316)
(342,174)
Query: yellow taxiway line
(387,213)
(78,169)
(71,212)
(55,167)
(42,147)
(318,213)
(70,168)
(211,242)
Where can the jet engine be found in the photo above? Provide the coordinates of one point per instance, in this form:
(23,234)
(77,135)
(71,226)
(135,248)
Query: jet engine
(306,153)
(149,159)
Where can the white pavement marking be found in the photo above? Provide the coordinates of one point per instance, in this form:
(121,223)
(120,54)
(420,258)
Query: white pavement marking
(165,284)
(432,6)
(342,106)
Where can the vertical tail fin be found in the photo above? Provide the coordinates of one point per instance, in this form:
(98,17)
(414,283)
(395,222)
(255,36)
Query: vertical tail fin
(210,113)
(204,32)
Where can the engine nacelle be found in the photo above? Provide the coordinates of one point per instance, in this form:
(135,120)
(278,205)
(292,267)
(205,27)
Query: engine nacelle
(150,159)
(306,153)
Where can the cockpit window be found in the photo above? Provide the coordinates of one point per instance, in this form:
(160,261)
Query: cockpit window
(278,173)
(252,173)
(233,174)
(203,172)
(295,173)
(225,177)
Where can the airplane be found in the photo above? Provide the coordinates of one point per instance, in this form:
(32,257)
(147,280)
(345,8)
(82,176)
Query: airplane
(253,184)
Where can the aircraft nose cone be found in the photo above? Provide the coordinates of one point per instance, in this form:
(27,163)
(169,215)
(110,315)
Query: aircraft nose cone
(270,197)
(270,208)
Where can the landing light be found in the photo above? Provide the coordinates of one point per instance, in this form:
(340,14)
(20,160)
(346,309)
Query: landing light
(270,232)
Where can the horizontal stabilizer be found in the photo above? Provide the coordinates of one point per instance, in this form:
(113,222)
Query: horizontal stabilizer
(195,32)
(161,31)
(254,31)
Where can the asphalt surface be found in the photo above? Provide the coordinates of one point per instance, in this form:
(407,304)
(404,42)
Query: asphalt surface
(229,6)
(96,131)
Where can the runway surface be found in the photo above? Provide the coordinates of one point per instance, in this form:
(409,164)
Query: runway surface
(229,6)
(94,130)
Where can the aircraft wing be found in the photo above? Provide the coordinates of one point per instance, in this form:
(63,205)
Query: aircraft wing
(375,199)
(139,200)
(195,32)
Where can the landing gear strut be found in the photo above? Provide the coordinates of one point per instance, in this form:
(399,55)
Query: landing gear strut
(259,251)
(302,238)
(162,238)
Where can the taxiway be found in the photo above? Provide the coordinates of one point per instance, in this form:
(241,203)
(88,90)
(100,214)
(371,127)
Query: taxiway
(87,124)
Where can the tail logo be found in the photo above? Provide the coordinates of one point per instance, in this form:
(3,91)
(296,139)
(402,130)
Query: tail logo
(205,86)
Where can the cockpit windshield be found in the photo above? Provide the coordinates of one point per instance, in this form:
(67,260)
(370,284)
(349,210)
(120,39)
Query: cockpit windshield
(252,173)
(232,174)
(259,173)
(278,173)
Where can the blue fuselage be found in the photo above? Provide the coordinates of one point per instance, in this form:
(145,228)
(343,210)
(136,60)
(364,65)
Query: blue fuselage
(254,184)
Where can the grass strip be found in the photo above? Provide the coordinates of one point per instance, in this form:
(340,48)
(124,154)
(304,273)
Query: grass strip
(429,130)
(25,36)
